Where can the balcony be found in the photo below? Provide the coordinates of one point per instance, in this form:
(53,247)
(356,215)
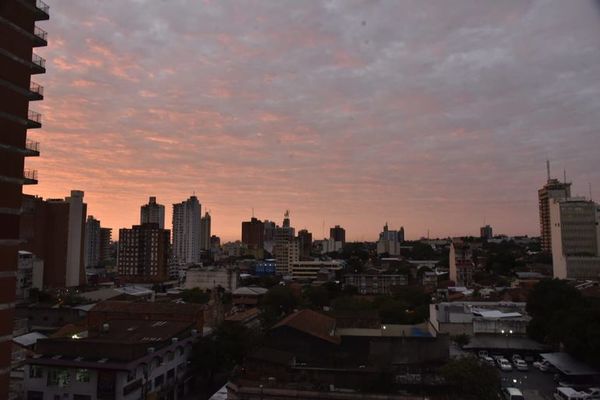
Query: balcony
(42,10)
(30,177)
(39,64)
(36,91)
(41,36)
(34,119)
(32,148)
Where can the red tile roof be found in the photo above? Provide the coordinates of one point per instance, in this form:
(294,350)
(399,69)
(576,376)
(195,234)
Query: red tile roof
(312,323)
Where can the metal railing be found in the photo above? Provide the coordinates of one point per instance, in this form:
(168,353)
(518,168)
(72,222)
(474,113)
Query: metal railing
(39,32)
(30,174)
(37,60)
(32,145)
(39,4)
(34,116)
(36,88)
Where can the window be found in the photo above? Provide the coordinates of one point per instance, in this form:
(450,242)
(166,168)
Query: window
(158,381)
(58,377)
(171,373)
(82,375)
(35,371)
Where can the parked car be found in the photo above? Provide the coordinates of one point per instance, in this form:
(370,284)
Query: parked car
(504,365)
(516,357)
(511,393)
(567,393)
(482,353)
(543,365)
(488,360)
(520,365)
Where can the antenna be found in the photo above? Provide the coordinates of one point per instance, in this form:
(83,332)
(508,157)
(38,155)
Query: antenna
(590,187)
(548,169)
(564,176)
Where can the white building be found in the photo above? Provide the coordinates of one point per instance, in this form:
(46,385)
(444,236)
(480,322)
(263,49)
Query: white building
(30,274)
(330,245)
(208,278)
(474,318)
(286,248)
(186,231)
(575,237)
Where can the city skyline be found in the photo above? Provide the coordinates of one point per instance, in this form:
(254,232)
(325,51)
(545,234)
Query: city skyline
(428,117)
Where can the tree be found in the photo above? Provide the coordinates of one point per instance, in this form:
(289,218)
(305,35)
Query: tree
(315,297)
(470,379)
(195,295)
(278,301)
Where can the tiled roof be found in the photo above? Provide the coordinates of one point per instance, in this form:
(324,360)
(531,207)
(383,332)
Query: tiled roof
(312,323)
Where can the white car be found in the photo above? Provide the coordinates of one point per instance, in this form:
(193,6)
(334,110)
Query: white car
(520,365)
(567,393)
(511,393)
(504,365)
(542,365)
(516,357)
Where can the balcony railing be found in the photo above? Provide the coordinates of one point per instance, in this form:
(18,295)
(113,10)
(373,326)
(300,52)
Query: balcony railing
(34,116)
(39,32)
(30,174)
(39,61)
(32,145)
(40,5)
(36,88)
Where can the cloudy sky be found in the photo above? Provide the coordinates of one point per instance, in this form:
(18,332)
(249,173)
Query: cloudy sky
(434,115)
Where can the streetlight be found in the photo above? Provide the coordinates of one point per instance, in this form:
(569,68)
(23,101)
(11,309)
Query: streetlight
(507,333)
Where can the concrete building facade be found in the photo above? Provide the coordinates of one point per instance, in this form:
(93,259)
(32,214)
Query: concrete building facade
(143,253)
(205,232)
(552,190)
(19,35)
(54,230)
(575,233)
(186,231)
(92,242)
(153,213)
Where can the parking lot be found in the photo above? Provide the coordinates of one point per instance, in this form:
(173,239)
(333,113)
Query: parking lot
(534,384)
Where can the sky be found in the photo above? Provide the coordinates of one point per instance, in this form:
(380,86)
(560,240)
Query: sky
(432,115)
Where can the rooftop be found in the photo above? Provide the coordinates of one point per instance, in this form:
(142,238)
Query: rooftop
(568,365)
(29,339)
(148,307)
(312,323)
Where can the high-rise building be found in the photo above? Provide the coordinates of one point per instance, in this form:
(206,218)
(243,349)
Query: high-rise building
(186,231)
(143,253)
(105,242)
(205,232)
(269,235)
(305,242)
(485,232)
(285,248)
(388,242)
(552,190)
(401,234)
(461,263)
(338,234)
(54,230)
(92,242)
(153,213)
(575,224)
(19,34)
(253,233)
